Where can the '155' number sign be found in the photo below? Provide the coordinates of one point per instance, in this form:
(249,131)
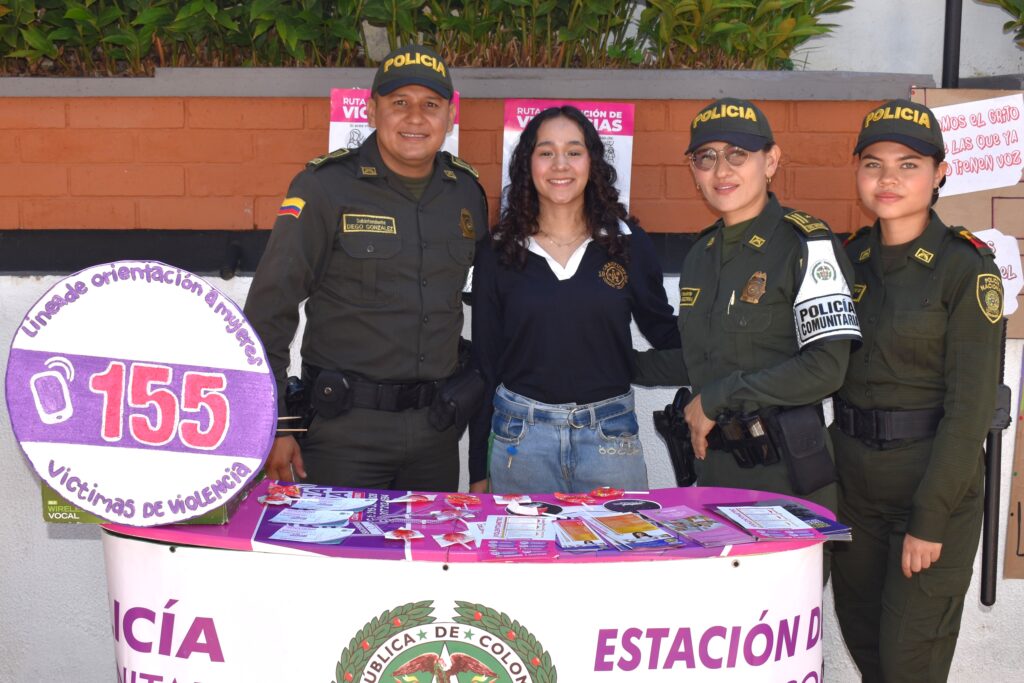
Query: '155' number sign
(149,386)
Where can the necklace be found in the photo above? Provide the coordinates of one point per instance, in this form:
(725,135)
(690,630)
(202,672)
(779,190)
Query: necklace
(571,242)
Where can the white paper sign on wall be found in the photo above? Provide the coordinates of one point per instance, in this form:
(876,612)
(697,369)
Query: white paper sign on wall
(984,143)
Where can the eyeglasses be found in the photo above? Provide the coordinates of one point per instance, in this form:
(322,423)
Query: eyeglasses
(706,158)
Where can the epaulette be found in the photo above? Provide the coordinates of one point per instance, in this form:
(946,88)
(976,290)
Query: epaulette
(459,163)
(965,234)
(328,158)
(854,235)
(808,224)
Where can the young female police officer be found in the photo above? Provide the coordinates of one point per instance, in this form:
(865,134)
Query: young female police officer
(915,407)
(765,316)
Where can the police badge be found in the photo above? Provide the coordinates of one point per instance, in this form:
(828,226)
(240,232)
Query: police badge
(755,287)
(466,224)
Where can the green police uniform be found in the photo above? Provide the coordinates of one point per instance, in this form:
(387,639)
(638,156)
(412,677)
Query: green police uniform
(931,326)
(383,272)
(767,325)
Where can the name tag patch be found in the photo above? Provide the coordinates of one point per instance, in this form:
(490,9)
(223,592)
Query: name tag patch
(688,296)
(360,222)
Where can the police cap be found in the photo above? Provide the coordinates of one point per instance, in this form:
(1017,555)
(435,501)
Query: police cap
(413,65)
(737,122)
(905,122)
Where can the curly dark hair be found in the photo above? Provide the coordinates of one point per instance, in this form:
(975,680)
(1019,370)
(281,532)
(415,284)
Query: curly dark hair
(520,217)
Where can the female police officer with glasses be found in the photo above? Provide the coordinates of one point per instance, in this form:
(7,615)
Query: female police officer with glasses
(914,409)
(765,316)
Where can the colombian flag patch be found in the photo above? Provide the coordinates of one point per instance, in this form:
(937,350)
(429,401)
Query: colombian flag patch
(292,206)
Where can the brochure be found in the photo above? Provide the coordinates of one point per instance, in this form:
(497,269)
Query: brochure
(830,527)
(346,504)
(769,522)
(311,517)
(575,535)
(630,531)
(699,527)
(515,527)
(504,551)
(312,534)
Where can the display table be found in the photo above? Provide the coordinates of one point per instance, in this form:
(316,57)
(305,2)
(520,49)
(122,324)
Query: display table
(225,603)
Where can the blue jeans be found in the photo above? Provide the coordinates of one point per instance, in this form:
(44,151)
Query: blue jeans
(541,448)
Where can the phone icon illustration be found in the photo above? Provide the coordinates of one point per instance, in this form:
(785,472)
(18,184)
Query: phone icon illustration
(50,391)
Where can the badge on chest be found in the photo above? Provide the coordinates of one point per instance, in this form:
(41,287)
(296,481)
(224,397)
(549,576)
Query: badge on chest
(755,287)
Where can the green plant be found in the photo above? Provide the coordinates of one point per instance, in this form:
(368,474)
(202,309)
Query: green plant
(1016,10)
(398,17)
(723,34)
(25,31)
(108,37)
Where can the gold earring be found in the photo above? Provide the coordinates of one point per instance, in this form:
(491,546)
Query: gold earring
(769,180)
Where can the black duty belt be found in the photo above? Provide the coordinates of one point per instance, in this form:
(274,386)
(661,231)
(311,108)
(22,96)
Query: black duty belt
(387,396)
(886,425)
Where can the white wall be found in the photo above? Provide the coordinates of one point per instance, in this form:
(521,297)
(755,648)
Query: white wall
(905,36)
(54,623)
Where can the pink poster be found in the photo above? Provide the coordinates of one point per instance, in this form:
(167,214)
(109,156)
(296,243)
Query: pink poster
(348,120)
(613,120)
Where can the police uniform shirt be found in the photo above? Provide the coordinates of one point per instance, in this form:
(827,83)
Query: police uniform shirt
(383,271)
(771,325)
(564,340)
(931,339)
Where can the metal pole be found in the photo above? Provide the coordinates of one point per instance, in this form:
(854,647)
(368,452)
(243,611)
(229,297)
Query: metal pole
(951,45)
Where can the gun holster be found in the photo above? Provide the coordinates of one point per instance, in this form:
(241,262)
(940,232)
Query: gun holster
(296,403)
(459,397)
(671,425)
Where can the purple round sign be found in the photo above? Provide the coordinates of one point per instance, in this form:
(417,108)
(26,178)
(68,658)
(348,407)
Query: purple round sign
(140,393)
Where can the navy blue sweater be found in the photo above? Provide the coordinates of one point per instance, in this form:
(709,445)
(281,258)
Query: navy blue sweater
(563,341)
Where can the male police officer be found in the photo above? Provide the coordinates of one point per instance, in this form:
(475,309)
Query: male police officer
(379,240)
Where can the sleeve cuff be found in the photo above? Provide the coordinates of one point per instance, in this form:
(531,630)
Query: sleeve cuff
(714,399)
(928,524)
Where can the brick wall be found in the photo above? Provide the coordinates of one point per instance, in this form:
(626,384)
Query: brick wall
(225,163)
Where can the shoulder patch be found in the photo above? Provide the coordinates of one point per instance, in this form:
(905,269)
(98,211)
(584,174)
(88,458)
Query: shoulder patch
(855,235)
(459,163)
(328,158)
(965,234)
(990,297)
(808,224)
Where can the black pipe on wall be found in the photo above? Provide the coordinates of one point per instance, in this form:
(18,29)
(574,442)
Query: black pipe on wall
(951,44)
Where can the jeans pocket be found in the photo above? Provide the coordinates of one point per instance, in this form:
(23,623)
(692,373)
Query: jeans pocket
(619,427)
(619,436)
(506,428)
